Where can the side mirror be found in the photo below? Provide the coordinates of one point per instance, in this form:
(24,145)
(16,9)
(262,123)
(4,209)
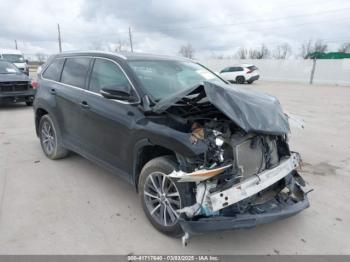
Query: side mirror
(117,92)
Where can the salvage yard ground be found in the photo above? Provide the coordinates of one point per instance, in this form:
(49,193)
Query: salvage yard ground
(73,206)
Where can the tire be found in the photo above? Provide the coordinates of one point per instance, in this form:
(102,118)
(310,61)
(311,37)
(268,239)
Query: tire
(250,82)
(240,79)
(164,200)
(51,143)
(29,103)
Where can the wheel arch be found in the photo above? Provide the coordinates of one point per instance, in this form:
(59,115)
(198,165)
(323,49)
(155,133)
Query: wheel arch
(39,113)
(144,152)
(240,76)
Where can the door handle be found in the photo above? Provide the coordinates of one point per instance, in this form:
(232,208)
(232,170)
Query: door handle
(53,91)
(84,105)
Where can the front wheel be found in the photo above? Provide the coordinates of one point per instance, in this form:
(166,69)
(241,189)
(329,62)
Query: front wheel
(240,79)
(161,196)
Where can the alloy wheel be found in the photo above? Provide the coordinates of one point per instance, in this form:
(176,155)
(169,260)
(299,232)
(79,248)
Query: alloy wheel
(48,138)
(162,199)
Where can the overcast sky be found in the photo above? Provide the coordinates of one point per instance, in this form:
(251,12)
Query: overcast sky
(160,26)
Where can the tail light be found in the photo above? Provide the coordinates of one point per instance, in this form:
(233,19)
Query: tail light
(34,84)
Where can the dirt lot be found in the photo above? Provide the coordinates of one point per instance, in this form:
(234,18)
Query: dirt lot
(72,206)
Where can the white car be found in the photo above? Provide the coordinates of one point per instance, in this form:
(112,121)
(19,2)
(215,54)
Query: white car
(240,74)
(15,57)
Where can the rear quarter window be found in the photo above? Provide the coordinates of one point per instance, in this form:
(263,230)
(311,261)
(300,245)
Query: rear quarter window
(252,68)
(53,71)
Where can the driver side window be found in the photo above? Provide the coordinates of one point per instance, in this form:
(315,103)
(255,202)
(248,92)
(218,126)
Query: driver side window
(105,73)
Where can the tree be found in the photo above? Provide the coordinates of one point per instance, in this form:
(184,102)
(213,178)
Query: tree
(242,53)
(282,51)
(261,53)
(121,47)
(41,57)
(187,51)
(344,48)
(310,47)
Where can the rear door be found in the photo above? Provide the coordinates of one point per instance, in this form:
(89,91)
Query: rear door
(68,97)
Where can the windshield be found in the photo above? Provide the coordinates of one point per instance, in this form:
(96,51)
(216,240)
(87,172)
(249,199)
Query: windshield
(7,68)
(13,58)
(162,78)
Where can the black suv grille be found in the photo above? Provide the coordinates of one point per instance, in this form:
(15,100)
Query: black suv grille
(14,86)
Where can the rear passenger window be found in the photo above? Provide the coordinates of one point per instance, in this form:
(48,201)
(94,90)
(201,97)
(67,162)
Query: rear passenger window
(75,71)
(106,73)
(53,71)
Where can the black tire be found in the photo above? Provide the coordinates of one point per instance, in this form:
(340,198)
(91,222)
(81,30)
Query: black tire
(155,167)
(240,79)
(29,103)
(48,135)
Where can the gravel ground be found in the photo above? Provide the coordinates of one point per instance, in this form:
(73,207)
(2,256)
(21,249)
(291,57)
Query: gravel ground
(73,206)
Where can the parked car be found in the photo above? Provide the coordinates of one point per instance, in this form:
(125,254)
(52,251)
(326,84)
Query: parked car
(203,155)
(15,86)
(16,57)
(240,74)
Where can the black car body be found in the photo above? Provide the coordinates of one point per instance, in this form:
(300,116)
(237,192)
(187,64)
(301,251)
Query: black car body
(203,155)
(15,86)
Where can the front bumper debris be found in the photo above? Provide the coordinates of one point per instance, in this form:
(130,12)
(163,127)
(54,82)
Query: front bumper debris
(254,184)
(271,195)
(199,175)
(276,211)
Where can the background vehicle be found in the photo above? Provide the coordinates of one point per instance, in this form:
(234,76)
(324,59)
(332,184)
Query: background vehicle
(15,86)
(177,132)
(240,74)
(16,57)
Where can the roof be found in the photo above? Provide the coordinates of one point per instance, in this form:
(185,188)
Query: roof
(127,55)
(240,65)
(11,51)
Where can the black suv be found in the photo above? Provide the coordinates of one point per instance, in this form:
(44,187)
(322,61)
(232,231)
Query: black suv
(202,154)
(15,86)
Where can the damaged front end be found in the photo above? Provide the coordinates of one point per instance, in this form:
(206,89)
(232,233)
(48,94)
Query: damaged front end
(248,175)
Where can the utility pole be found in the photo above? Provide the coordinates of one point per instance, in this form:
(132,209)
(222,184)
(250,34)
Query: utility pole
(130,38)
(59,38)
(16,44)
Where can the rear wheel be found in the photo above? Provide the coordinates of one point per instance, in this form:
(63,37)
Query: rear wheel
(240,79)
(161,196)
(50,142)
(250,82)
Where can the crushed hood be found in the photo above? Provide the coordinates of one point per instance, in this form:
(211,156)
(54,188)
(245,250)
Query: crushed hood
(253,111)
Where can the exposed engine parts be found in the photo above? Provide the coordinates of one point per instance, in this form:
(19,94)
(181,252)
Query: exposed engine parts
(245,168)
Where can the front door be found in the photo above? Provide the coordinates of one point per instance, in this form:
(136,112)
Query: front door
(108,123)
